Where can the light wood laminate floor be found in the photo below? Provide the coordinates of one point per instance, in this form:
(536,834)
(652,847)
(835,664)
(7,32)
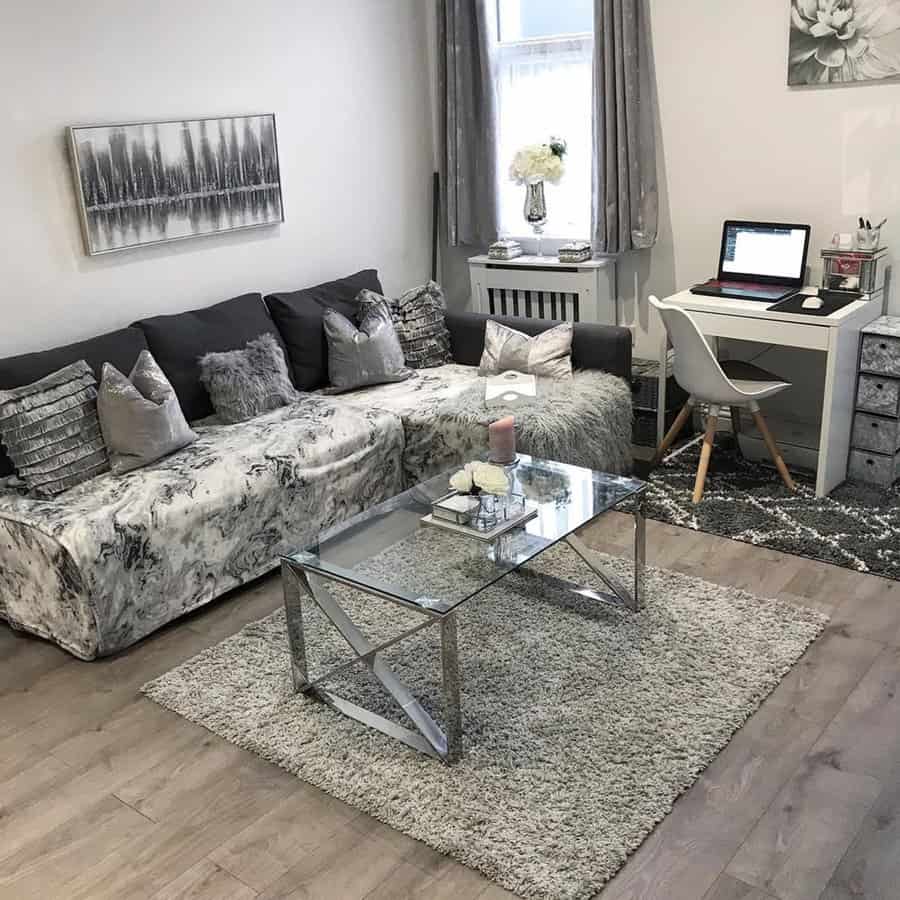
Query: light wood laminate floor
(103,794)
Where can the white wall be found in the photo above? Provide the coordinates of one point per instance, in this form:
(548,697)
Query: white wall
(346,81)
(737,142)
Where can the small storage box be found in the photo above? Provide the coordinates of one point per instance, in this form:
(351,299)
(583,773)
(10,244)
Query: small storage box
(854,270)
(880,354)
(877,394)
(874,468)
(876,433)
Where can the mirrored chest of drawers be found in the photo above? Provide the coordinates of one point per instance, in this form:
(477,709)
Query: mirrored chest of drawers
(875,445)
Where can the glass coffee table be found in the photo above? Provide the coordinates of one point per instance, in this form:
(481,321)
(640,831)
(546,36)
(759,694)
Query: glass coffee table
(435,571)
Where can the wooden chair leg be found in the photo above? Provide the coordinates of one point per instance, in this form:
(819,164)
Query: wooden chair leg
(705,454)
(774,452)
(673,432)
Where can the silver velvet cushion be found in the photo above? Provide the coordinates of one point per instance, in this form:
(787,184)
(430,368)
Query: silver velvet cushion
(419,322)
(243,384)
(370,354)
(51,431)
(548,354)
(140,415)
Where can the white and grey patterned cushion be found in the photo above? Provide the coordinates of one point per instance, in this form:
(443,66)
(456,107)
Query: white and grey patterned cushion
(419,321)
(140,416)
(243,384)
(548,354)
(51,431)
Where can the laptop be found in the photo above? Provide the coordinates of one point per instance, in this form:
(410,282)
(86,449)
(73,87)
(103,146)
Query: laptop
(762,261)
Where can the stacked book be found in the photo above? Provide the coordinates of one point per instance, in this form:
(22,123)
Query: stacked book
(504,250)
(575,252)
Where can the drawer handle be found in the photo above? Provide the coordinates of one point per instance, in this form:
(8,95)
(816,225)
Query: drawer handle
(880,387)
(870,462)
(883,346)
(875,425)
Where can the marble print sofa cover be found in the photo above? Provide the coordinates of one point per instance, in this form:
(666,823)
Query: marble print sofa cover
(114,559)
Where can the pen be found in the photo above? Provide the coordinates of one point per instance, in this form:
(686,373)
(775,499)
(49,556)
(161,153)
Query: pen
(862,224)
(868,225)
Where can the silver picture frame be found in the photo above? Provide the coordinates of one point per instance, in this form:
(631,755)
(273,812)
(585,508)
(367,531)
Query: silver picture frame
(155,182)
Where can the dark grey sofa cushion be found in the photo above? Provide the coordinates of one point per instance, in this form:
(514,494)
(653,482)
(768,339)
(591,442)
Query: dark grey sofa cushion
(604,347)
(121,348)
(178,341)
(298,315)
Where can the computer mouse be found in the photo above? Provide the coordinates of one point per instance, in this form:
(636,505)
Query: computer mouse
(813,303)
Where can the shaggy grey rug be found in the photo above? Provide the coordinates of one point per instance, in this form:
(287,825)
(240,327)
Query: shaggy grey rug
(582,723)
(857,526)
(585,421)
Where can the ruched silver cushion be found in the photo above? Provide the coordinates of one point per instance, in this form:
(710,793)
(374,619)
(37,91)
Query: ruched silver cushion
(50,430)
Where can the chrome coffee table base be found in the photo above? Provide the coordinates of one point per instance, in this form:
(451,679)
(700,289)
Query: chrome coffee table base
(444,744)
(428,737)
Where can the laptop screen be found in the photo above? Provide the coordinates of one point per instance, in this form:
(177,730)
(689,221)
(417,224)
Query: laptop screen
(772,253)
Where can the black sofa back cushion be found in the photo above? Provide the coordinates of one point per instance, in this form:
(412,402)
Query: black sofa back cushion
(121,348)
(178,341)
(298,315)
(604,347)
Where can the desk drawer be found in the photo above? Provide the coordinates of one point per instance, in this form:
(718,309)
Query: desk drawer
(876,433)
(880,355)
(878,394)
(750,328)
(874,468)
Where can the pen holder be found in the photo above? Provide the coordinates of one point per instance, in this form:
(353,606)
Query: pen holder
(868,239)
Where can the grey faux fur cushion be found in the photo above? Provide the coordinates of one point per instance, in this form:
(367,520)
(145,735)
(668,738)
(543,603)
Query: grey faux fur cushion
(243,384)
(140,415)
(51,431)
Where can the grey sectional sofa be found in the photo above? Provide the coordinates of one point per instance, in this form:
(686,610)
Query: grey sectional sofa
(112,560)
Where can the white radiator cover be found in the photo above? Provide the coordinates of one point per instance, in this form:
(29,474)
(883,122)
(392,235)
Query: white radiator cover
(541,287)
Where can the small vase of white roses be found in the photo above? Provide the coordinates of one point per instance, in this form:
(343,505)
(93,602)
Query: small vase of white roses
(533,165)
(490,485)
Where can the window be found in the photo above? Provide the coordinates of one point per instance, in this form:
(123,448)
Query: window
(544,59)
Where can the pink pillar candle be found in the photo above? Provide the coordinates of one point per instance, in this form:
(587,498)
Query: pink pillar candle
(502,440)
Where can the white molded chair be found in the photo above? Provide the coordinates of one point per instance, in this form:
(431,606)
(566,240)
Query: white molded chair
(738,385)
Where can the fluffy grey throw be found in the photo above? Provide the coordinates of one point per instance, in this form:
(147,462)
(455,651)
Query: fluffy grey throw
(585,421)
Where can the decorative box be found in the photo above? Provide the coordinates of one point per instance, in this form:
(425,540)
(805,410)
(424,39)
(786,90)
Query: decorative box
(575,252)
(459,509)
(504,250)
(856,271)
(509,388)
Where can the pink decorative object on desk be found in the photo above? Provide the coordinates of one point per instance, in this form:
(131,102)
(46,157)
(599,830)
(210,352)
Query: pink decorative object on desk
(502,440)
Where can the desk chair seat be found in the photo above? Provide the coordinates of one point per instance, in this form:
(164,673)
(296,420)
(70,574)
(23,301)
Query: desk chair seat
(738,385)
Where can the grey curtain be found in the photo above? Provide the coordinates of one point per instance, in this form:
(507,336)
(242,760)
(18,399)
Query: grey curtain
(469,139)
(625,207)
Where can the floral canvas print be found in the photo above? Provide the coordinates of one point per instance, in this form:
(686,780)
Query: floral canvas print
(838,41)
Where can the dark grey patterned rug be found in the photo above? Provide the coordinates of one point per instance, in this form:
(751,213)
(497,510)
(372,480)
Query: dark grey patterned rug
(857,526)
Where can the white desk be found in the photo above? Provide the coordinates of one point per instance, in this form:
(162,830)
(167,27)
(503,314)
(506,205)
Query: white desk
(836,335)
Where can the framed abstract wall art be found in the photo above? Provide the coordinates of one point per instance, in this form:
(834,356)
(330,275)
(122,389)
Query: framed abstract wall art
(840,41)
(150,182)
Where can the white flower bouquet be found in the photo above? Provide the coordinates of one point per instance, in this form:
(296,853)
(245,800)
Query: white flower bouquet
(480,476)
(539,162)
